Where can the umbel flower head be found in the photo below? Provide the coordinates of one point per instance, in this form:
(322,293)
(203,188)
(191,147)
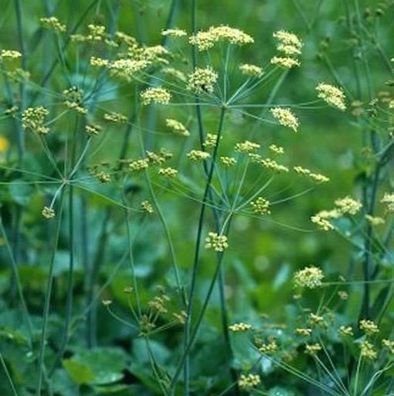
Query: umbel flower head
(198,155)
(155,95)
(48,213)
(261,206)
(368,327)
(248,382)
(332,95)
(289,45)
(348,205)
(251,70)
(202,80)
(53,23)
(174,33)
(177,127)
(216,242)
(368,351)
(285,117)
(205,40)
(288,42)
(11,54)
(33,118)
(239,327)
(309,277)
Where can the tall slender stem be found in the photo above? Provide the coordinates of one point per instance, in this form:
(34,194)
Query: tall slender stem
(47,302)
(196,260)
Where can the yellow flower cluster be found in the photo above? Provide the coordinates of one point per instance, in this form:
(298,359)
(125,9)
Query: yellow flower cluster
(322,219)
(155,95)
(314,176)
(103,177)
(239,327)
(248,382)
(177,127)
(92,129)
(312,349)
(290,46)
(288,43)
(309,277)
(304,332)
(205,40)
(33,118)
(344,206)
(115,117)
(74,99)
(389,345)
(202,80)
(268,348)
(168,172)
(285,117)
(332,95)
(246,147)
(48,213)
(53,23)
(210,140)
(11,54)
(138,165)
(158,158)
(98,62)
(174,33)
(348,205)
(136,59)
(319,178)
(216,242)
(369,327)
(122,68)
(273,165)
(228,161)
(368,351)
(285,62)
(261,206)
(147,207)
(198,155)
(251,70)
(159,303)
(276,149)
(346,331)
(315,319)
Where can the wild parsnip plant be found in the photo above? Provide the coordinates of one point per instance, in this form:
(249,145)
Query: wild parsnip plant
(174,215)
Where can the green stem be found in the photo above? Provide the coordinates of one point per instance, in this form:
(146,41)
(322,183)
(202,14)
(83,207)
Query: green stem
(196,260)
(93,275)
(47,302)
(8,375)
(194,333)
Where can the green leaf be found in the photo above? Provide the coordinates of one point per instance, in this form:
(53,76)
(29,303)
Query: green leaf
(79,372)
(99,366)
